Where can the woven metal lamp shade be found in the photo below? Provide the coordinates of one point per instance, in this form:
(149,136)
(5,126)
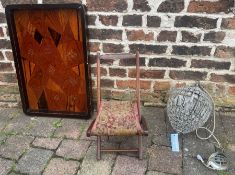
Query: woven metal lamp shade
(189,108)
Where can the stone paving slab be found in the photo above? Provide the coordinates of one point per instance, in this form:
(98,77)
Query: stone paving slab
(73,149)
(194,167)
(90,165)
(47,143)
(164,160)
(194,146)
(70,128)
(5,166)
(129,165)
(58,166)
(155,173)
(15,146)
(34,161)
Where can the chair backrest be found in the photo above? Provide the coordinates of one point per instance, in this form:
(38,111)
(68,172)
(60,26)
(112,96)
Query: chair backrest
(115,57)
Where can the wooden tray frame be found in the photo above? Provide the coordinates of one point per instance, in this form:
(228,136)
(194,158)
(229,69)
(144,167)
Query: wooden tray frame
(17,59)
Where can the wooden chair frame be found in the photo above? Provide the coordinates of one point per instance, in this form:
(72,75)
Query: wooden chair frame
(143,123)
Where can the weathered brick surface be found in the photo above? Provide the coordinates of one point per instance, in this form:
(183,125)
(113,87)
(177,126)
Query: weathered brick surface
(164,62)
(210,64)
(153,21)
(147,49)
(141,5)
(214,37)
(107,83)
(225,52)
(157,74)
(103,34)
(194,50)
(208,7)
(6,67)
(134,35)
(190,37)
(117,72)
(132,20)
(8,2)
(160,86)
(231,90)
(94,46)
(107,5)
(167,36)
(111,20)
(175,6)
(124,84)
(5,44)
(228,23)
(195,21)
(230,78)
(131,62)
(187,75)
(91,19)
(112,48)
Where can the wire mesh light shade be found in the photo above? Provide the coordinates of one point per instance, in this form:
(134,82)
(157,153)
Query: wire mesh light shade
(189,108)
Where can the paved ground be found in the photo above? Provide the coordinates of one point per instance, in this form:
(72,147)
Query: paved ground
(54,146)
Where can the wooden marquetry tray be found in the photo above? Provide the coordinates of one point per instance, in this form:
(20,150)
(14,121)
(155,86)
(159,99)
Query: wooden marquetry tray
(49,47)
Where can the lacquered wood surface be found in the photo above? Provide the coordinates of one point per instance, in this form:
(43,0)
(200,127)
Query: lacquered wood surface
(51,52)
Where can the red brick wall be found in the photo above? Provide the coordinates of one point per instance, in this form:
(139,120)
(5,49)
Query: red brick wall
(180,41)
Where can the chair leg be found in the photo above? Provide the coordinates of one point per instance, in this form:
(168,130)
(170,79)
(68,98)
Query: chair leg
(140,147)
(98,147)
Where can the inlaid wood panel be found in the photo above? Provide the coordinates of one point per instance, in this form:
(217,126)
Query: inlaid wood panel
(53,59)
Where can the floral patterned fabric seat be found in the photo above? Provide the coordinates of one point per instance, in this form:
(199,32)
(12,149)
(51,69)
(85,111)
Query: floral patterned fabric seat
(117,118)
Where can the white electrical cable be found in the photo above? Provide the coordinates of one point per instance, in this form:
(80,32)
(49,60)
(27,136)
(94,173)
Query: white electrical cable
(211,132)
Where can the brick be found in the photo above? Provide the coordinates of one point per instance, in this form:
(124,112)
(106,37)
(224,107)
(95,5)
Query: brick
(155,74)
(164,62)
(132,20)
(194,50)
(103,71)
(58,166)
(2,18)
(210,64)
(132,84)
(178,85)
(1,56)
(103,34)
(175,6)
(1,32)
(153,21)
(195,21)
(5,44)
(129,165)
(8,77)
(231,90)
(92,59)
(9,55)
(73,149)
(131,62)
(135,35)
(60,1)
(209,6)
(117,72)
(147,49)
(106,61)
(225,52)
(107,5)
(161,86)
(228,23)
(91,19)
(190,37)
(167,36)
(187,75)
(111,20)
(112,48)
(94,46)
(141,5)
(214,37)
(106,83)
(8,2)
(230,78)
(5,67)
